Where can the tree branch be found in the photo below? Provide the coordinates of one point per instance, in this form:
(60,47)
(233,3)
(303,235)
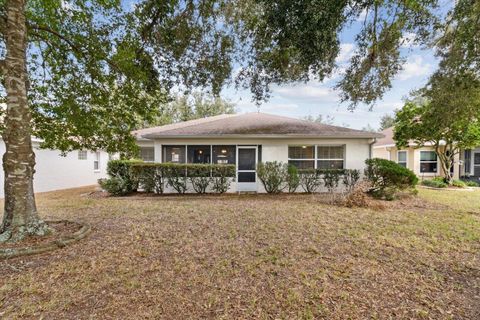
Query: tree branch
(75,47)
(2,66)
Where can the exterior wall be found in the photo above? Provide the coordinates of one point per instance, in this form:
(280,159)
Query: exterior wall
(356,150)
(55,172)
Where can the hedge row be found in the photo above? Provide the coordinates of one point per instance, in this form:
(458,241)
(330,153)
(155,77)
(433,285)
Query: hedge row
(126,176)
(277,177)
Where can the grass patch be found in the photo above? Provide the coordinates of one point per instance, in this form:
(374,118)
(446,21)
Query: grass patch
(248,256)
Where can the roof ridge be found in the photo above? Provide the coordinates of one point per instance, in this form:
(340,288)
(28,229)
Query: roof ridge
(186,124)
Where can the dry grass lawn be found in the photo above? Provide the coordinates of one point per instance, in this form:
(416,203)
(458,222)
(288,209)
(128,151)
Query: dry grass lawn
(244,257)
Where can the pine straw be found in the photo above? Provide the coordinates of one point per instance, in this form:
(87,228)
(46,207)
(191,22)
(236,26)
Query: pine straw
(238,257)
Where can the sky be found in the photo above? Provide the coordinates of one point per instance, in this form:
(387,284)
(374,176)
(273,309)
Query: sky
(313,98)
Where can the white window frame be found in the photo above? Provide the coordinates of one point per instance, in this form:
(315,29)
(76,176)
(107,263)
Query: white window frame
(427,161)
(82,155)
(406,157)
(315,158)
(96,161)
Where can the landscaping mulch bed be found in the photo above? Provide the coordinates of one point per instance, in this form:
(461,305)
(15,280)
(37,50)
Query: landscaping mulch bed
(61,229)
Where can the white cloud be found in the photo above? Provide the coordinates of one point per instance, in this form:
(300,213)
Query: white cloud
(346,52)
(307,92)
(414,67)
(362,15)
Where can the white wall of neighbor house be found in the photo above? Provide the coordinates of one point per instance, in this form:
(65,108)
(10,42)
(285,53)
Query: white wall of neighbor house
(54,171)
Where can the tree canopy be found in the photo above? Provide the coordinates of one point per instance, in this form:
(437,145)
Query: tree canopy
(189,107)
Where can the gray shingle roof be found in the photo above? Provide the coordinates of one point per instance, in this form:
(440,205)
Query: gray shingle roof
(251,125)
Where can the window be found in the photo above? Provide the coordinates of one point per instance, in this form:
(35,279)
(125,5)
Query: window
(402,158)
(428,162)
(330,157)
(302,157)
(224,154)
(467,161)
(96,161)
(147,154)
(82,154)
(198,154)
(175,154)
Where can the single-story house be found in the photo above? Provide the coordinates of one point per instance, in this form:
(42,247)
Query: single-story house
(54,171)
(423,161)
(247,139)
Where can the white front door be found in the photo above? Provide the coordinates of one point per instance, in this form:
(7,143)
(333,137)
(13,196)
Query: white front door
(246,168)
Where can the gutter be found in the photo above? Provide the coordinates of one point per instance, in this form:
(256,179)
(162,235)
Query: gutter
(245,136)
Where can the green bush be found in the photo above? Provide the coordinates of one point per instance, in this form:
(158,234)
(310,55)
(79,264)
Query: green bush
(310,180)
(434,183)
(471,183)
(387,178)
(458,183)
(200,176)
(292,179)
(331,179)
(351,177)
(272,175)
(116,186)
(221,177)
(122,169)
(152,177)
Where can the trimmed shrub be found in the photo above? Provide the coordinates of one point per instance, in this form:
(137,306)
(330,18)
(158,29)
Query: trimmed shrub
(387,178)
(272,175)
(292,179)
(221,177)
(122,169)
(434,183)
(351,177)
(116,186)
(176,175)
(331,179)
(310,180)
(199,176)
(151,177)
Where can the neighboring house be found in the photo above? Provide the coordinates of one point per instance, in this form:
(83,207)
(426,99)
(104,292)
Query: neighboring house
(246,139)
(423,161)
(54,171)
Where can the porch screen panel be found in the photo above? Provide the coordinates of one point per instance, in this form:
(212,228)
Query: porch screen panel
(224,154)
(174,154)
(198,154)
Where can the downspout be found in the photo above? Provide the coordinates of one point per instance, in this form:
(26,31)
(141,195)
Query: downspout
(370,150)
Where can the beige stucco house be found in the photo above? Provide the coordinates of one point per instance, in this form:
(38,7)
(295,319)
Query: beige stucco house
(423,161)
(246,139)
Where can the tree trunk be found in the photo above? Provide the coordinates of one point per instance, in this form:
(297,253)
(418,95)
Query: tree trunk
(20,216)
(446,158)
